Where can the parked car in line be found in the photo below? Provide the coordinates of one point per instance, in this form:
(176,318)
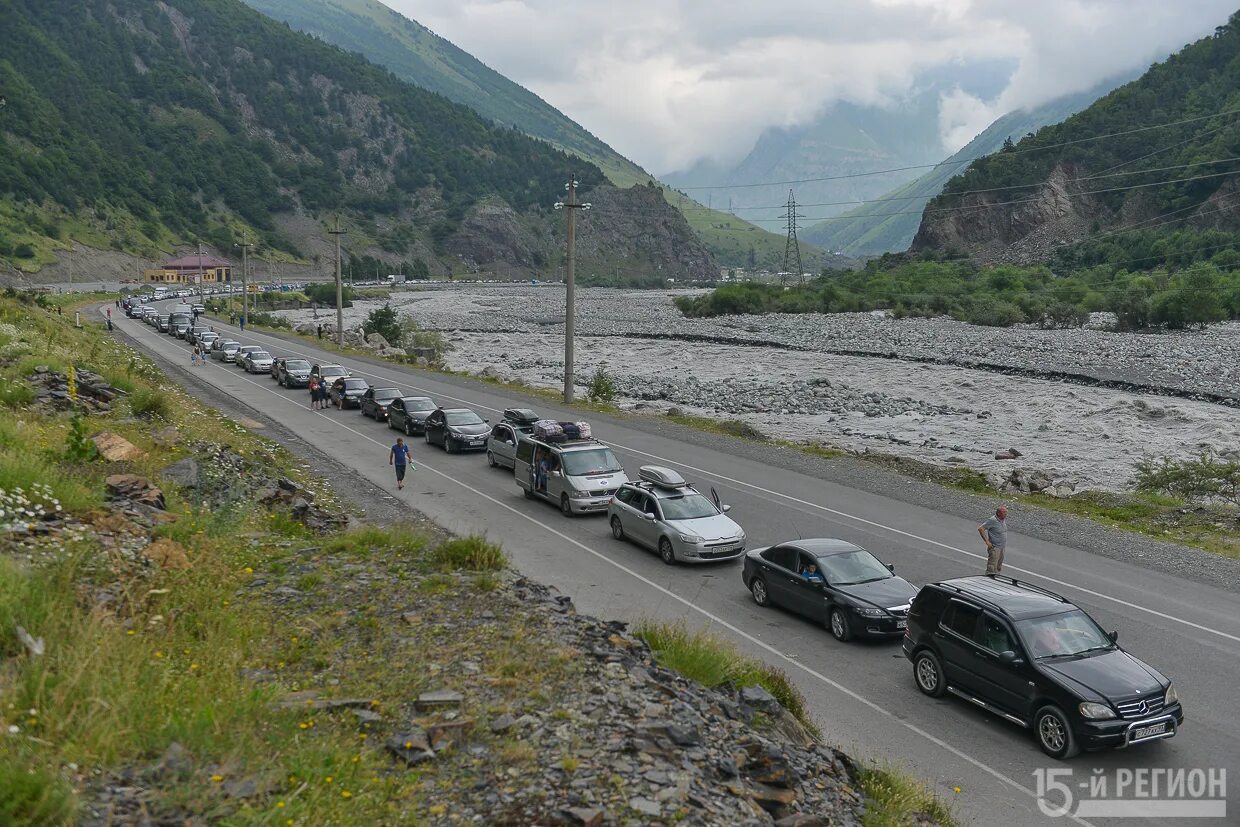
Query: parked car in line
(257,361)
(329,373)
(205,340)
(375,402)
(664,513)
(220,348)
(346,392)
(581,475)
(161,323)
(502,441)
(1036,659)
(456,429)
(856,596)
(195,331)
(409,413)
(199,309)
(244,351)
(276,361)
(294,373)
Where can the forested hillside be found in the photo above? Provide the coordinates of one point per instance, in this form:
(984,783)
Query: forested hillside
(416,54)
(888,224)
(138,125)
(1156,154)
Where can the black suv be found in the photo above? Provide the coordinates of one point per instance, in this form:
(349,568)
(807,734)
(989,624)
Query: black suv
(1031,656)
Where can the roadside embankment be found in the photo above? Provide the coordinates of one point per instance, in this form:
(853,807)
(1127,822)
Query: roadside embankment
(194,628)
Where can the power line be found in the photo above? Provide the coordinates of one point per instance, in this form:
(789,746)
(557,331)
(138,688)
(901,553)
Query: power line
(792,247)
(950,162)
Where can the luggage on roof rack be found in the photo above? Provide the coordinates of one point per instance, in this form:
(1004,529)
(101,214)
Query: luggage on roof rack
(521,416)
(660,476)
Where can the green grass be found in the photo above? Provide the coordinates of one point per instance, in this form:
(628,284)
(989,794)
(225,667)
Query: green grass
(150,402)
(714,662)
(469,554)
(895,799)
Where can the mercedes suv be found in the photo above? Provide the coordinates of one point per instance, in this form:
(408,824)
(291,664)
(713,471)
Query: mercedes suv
(1032,657)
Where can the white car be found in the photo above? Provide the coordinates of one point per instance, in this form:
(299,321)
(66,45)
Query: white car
(258,361)
(664,513)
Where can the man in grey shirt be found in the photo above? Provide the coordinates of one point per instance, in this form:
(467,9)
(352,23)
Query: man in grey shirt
(994,535)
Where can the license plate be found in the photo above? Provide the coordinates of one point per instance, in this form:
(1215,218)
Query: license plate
(1149,731)
(901,624)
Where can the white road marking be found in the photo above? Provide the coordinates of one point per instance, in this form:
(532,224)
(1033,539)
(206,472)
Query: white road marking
(862,520)
(713,618)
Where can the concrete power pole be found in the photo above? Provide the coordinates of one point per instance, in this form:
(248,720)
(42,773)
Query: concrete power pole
(245,246)
(337,232)
(570,295)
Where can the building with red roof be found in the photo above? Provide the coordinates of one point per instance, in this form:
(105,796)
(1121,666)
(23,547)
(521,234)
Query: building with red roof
(191,269)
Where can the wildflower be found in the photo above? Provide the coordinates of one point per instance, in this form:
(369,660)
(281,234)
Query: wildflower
(131,633)
(217,778)
(346,794)
(280,805)
(193,667)
(955,789)
(14,729)
(328,780)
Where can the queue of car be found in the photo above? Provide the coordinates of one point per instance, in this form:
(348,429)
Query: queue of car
(1008,647)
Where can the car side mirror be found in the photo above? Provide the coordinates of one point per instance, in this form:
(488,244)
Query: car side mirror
(1008,658)
(726,509)
(891,567)
(646,515)
(1114,636)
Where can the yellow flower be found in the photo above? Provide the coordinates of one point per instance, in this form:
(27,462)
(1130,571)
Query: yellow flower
(955,789)
(225,602)
(346,794)
(131,633)
(327,780)
(303,725)
(356,758)
(249,570)
(193,667)
(158,654)
(438,810)
(280,805)
(217,778)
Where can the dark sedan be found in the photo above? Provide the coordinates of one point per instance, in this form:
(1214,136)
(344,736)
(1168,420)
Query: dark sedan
(294,373)
(457,429)
(833,582)
(375,402)
(346,392)
(409,414)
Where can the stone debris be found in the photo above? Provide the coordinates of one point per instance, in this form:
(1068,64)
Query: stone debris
(115,448)
(135,489)
(94,394)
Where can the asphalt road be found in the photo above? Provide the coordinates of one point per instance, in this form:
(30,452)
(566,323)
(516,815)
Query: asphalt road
(862,694)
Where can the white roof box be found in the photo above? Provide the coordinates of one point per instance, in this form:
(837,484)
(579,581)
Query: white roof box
(660,476)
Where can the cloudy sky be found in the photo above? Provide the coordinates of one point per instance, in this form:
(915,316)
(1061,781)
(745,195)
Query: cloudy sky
(671,82)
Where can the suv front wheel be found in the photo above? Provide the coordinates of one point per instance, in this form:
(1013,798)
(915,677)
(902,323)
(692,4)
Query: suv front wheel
(928,673)
(1055,733)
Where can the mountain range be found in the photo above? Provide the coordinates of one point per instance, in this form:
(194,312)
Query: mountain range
(137,127)
(415,54)
(888,223)
(1156,155)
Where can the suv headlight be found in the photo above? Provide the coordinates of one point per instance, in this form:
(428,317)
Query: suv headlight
(1172,697)
(1096,712)
(866,611)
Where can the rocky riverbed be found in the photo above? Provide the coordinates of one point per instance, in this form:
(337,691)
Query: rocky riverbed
(944,397)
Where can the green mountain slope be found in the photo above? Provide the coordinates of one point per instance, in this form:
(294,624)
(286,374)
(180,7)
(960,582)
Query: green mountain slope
(888,224)
(1051,194)
(139,127)
(416,54)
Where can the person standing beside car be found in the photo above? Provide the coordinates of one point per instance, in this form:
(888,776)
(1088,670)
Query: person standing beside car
(994,535)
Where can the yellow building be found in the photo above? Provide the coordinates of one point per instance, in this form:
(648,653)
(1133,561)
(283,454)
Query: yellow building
(187,269)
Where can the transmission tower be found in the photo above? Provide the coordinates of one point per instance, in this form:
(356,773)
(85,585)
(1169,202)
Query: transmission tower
(792,248)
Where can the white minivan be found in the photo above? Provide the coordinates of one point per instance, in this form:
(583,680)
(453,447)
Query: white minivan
(578,475)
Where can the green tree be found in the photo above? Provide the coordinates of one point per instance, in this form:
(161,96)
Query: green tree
(386,322)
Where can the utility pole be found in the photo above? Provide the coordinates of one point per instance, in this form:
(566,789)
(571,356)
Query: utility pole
(570,294)
(245,246)
(792,247)
(201,275)
(337,232)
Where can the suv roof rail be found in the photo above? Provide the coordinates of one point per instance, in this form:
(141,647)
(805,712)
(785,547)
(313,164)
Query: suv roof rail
(1026,585)
(988,602)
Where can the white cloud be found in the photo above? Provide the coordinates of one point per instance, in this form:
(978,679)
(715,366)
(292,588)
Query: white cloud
(670,82)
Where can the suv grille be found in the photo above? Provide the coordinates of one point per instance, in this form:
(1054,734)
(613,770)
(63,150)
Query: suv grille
(1141,707)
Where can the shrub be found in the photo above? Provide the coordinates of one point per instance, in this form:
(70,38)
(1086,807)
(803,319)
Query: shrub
(1202,478)
(894,798)
(472,553)
(413,337)
(325,293)
(363,542)
(602,387)
(1060,314)
(386,322)
(714,662)
(30,794)
(78,446)
(150,402)
(992,312)
(268,320)
(15,393)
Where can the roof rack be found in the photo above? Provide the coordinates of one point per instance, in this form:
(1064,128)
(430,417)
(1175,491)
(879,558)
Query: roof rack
(959,590)
(1026,585)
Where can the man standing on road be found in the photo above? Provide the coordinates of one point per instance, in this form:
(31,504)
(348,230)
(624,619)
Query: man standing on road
(994,535)
(320,331)
(399,458)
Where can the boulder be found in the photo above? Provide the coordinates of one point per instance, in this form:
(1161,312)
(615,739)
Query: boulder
(183,473)
(377,340)
(134,488)
(115,448)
